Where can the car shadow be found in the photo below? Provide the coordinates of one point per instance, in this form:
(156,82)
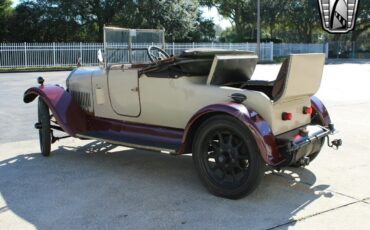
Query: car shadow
(100,186)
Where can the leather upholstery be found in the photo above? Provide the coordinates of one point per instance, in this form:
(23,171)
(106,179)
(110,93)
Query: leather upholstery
(278,88)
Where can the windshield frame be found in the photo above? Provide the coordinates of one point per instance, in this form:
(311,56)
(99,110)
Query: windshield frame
(130,46)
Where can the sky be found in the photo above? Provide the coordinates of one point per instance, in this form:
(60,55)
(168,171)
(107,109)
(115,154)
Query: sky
(15,2)
(210,13)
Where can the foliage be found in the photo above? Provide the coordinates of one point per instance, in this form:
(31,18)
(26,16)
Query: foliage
(285,20)
(204,31)
(83,20)
(363,19)
(67,20)
(243,15)
(273,15)
(229,35)
(5,14)
(303,17)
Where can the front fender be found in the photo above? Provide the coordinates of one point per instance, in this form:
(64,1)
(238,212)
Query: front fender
(68,114)
(260,129)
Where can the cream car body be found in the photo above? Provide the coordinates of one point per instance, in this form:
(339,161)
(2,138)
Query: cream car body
(203,101)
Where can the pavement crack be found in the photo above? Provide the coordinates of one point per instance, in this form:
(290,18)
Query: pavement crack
(293,221)
(3,209)
(366,200)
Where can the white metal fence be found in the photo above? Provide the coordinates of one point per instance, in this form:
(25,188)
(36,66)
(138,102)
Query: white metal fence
(18,55)
(283,49)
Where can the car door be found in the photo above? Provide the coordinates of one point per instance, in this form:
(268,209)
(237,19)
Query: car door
(123,87)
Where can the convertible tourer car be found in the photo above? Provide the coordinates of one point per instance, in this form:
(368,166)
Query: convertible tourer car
(201,102)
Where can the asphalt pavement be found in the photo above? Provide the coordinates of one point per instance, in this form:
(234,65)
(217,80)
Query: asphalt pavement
(95,185)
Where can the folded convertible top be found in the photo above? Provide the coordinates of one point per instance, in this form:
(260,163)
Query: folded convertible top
(205,53)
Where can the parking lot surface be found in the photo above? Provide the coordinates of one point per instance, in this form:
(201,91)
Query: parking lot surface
(95,185)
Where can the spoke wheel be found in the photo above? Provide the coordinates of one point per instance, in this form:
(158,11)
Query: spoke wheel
(44,130)
(227,158)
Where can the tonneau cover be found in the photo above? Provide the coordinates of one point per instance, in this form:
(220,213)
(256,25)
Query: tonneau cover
(206,53)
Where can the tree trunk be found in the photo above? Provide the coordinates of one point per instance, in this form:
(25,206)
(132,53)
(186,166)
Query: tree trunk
(272,27)
(101,32)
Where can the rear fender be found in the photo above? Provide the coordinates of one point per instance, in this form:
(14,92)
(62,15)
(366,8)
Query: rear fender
(67,113)
(259,128)
(321,111)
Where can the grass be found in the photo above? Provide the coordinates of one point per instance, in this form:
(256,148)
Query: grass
(37,69)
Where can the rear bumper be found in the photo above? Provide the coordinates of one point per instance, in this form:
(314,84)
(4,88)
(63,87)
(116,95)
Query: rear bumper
(300,143)
(314,133)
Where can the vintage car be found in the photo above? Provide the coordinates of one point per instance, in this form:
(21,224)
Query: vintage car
(202,101)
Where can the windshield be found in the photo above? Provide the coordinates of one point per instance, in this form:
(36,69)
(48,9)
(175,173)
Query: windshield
(130,45)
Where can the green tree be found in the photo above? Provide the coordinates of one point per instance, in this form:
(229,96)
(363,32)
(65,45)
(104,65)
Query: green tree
(363,19)
(203,31)
(302,16)
(242,13)
(97,12)
(24,24)
(5,14)
(67,20)
(177,17)
(44,21)
(229,35)
(272,12)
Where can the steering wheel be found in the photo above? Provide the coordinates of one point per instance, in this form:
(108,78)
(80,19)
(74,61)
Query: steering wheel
(156,54)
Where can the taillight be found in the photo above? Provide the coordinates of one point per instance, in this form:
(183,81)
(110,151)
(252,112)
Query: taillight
(307,110)
(286,116)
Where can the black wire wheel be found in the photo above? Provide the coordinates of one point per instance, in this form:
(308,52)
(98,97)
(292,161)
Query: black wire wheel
(227,158)
(44,128)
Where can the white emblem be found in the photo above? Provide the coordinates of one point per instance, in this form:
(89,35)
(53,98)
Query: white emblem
(338,16)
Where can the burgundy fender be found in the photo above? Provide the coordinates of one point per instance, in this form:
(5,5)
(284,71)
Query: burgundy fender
(260,129)
(319,108)
(68,114)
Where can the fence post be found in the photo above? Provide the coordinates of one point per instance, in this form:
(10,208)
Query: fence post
(25,55)
(81,52)
(54,54)
(326,50)
(193,45)
(353,49)
(271,51)
(173,48)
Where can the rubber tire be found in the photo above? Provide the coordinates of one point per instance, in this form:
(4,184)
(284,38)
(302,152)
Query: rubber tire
(44,131)
(257,164)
